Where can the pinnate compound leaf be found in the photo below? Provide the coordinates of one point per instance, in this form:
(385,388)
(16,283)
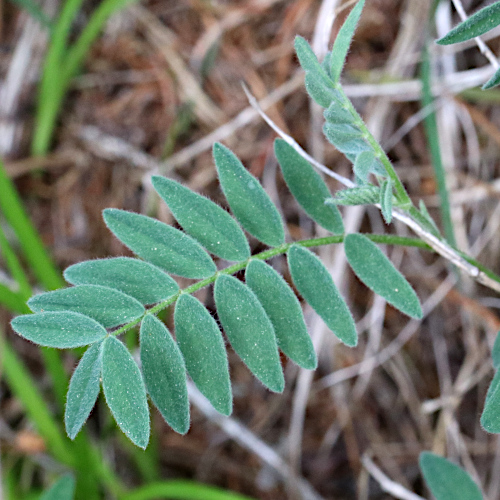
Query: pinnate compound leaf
(493,81)
(160,244)
(343,41)
(137,278)
(63,330)
(315,284)
(62,489)
(378,273)
(164,373)
(346,138)
(204,220)
(284,311)
(83,390)
(490,418)
(249,202)
(446,480)
(249,330)
(107,306)
(125,392)
(476,25)
(202,346)
(386,200)
(364,195)
(307,187)
(495,353)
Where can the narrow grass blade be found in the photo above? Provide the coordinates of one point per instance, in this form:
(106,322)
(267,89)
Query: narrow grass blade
(476,25)
(446,480)
(307,187)
(284,311)
(141,280)
(62,489)
(315,284)
(59,329)
(125,392)
(204,220)
(165,373)
(160,244)
(107,306)
(249,330)
(202,346)
(386,200)
(343,41)
(249,202)
(378,273)
(83,390)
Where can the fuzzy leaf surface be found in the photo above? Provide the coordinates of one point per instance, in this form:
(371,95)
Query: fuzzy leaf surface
(345,138)
(284,311)
(164,373)
(315,284)
(249,330)
(343,41)
(378,273)
(83,390)
(202,346)
(446,480)
(338,113)
(307,187)
(495,352)
(249,202)
(63,330)
(62,489)
(364,195)
(386,200)
(107,306)
(476,25)
(125,392)
(493,81)
(160,244)
(319,92)
(137,278)
(204,220)
(490,418)
(309,61)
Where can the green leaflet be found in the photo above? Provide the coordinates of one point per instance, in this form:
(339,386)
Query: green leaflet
(493,81)
(346,138)
(164,373)
(141,280)
(202,346)
(249,202)
(364,195)
(309,61)
(367,163)
(160,244)
(315,284)
(83,390)
(476,25)
(59,329)
(386,200)
(62,489)
(490,418)
(378,273)
(446,480)
(320,93)
(249,330)
(125,392)
(107,306)
(343,41)
(307,187)
(495,352)
(284,311)
(338,113)
(204,220)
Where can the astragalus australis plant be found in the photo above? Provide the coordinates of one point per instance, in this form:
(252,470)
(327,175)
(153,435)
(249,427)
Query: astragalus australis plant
(261,315)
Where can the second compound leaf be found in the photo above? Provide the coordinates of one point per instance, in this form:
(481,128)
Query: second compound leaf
(204,220)
(315,284)
(64,329)
(125,392)
(249,330)
(202,346)
(284,311)
(446,480)
(249,202)
(160,244)
(107,306)
(378,273)
(164,373)
(83,390)
(307,187)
